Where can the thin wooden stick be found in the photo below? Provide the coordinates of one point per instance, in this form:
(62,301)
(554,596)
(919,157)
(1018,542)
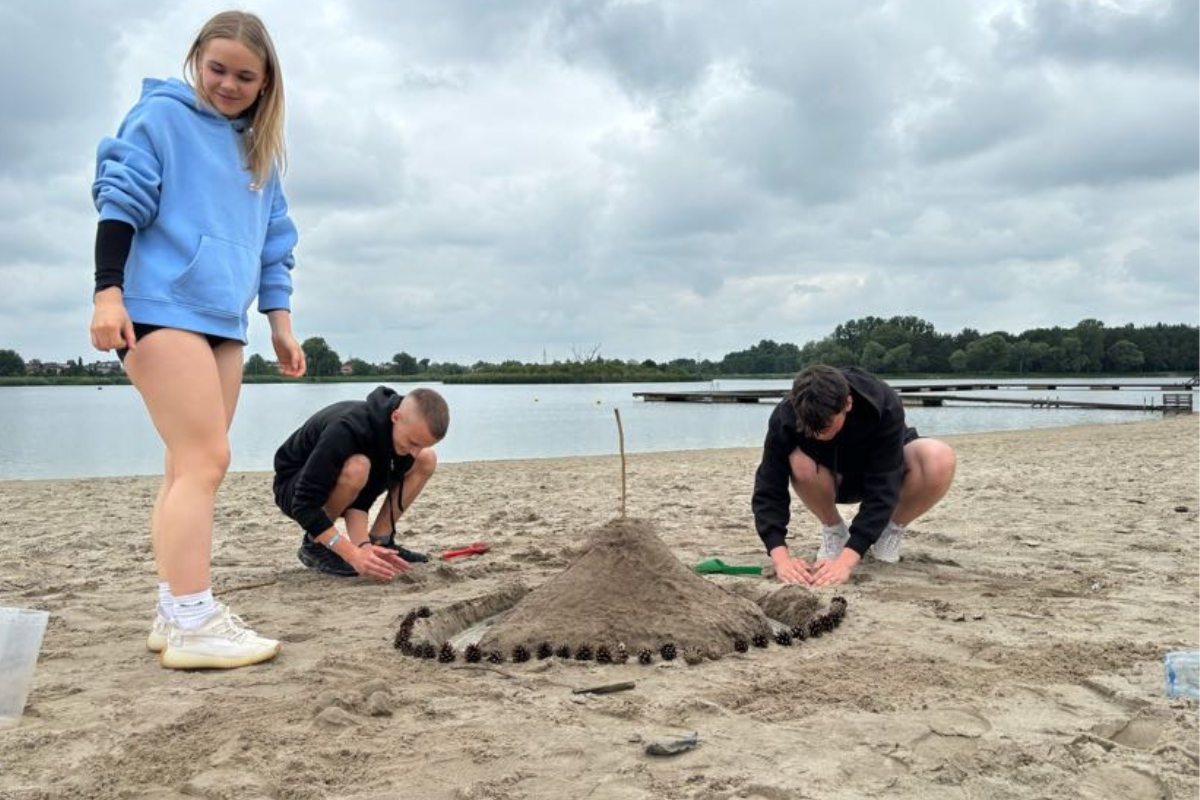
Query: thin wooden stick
(621,439)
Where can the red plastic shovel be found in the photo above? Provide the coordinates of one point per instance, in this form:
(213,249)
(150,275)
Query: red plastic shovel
(475,549)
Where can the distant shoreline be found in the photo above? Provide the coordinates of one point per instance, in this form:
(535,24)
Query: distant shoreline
(533,379)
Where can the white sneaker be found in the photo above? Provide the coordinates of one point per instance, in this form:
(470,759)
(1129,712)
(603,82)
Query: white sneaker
(833,540)
(223,642)
(157,640)
(887,546)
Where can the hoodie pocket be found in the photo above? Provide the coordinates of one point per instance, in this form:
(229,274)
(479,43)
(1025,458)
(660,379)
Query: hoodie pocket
(222,278)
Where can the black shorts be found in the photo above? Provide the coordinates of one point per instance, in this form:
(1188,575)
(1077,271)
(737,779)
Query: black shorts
(285,490)
(850,487)
(141,329)
(284,485)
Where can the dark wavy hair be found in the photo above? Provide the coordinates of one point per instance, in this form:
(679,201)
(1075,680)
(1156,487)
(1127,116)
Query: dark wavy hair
(819,394)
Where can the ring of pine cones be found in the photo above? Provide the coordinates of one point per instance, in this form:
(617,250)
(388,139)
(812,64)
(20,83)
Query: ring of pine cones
(603,654)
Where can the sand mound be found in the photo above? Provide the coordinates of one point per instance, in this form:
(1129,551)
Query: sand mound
(628,588)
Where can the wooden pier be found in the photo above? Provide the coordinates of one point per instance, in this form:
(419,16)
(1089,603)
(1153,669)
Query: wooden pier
(935,400)
(1177,397)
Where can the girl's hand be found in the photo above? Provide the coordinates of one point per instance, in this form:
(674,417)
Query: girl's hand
(288,351)
(111,327)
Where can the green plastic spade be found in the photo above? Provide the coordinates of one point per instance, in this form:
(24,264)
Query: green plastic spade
(715,566)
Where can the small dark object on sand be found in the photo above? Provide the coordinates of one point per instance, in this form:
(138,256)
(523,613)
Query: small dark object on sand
(607,688)
(673,746)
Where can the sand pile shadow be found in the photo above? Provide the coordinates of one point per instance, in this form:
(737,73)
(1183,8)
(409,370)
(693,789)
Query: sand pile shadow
(626,596)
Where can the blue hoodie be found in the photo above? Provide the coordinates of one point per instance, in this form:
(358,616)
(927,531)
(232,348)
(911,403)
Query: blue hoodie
(208,240)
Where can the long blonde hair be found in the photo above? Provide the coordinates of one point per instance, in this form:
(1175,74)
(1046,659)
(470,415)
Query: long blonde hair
(263,142)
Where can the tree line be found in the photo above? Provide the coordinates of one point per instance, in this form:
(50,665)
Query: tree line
(895,345)
(891,346)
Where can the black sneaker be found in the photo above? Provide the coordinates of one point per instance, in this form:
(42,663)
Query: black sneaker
(320,558)
(411,556)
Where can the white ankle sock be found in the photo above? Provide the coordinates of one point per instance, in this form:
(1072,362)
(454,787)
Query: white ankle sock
(166,603)
(840,526)
(190,611)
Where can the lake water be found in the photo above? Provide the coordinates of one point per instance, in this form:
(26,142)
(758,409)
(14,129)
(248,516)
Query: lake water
(85,431)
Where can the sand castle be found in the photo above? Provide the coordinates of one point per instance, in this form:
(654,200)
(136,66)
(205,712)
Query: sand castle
(626,597)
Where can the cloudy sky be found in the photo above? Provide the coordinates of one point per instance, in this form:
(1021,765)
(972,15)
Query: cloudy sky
(495,179)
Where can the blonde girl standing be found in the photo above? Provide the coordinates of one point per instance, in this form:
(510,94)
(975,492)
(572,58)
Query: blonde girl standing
(193,226)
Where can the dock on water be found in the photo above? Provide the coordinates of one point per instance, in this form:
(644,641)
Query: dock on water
(1177,396)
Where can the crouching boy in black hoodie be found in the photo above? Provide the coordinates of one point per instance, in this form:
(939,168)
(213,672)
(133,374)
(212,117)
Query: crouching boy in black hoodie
(341,460)
(840,437)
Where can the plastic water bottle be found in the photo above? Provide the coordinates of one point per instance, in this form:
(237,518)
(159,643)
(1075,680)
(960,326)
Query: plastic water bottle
(1181,670)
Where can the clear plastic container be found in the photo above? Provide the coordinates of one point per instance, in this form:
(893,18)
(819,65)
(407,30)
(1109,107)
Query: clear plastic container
(21,631)
(1181,673)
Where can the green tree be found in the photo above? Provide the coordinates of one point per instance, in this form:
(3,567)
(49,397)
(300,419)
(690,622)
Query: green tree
(898,359)
(256,365)
(988,354)
(958,361)
(405,364)
(360,367)
(1125,356)
(1073,357)
(322,360)
(11,363)
(872,356)
(1090,333)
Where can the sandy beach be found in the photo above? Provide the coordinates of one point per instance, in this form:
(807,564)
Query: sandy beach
(1015,652)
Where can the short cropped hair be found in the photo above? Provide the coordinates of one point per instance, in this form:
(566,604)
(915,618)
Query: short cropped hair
(819,394)
(433,409)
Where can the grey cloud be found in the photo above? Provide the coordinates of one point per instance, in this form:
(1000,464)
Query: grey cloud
(652,49)
(479,180)
(51,76)
(1161,32)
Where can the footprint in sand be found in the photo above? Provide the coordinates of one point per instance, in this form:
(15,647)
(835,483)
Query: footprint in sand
(1110,780)
(1139,733)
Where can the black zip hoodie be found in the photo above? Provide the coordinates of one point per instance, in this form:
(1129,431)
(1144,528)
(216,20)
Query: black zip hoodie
(870,444)
(320,447)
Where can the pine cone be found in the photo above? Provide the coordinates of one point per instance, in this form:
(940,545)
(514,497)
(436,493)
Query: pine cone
(424,613)
(494,657)
(427,650)
(603,655)
(783,639)
(583,653)
(544,650)
(645,657)
(668,652)
(473,655)
(760,640)
(520,654)
(799,633)
(447,655)
(401,638)
(740,645)
(563,651)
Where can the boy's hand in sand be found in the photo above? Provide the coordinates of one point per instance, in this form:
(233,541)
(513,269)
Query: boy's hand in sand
(831,572)
(380,563)
(788,569)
